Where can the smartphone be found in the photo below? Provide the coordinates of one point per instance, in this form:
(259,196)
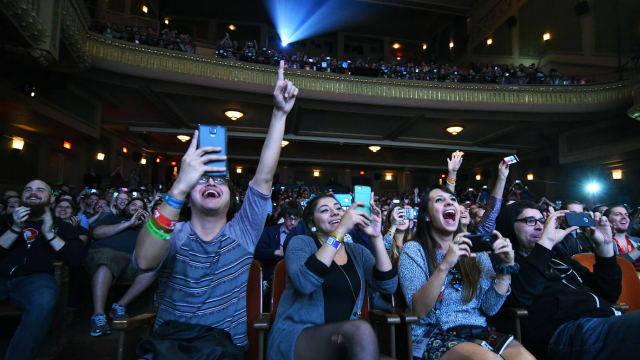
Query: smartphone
(579,219)
(363,193)
(396,201)
(135,194)
(115,194)
(94,191)
(282,188)
(410,214)
(324,64)
(328,58)
(470,189)
(482,242)
(511,159)
(302,202)
(214,136)
(159,186)
(123,189)
(343,199)
(142,187)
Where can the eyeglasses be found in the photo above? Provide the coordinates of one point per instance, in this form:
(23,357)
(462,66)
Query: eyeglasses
(293,218)
(216,180)
(531,221)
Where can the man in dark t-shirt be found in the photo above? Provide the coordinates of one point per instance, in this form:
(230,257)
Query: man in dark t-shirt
(110,259)
(31,239)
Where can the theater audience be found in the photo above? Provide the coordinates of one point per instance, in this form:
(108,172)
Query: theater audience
(318,305)
(120,202)
(452,289)
(576,242)
(212,232)
(32,239)
(109,259)
(625,245)
(571,314)
(66,210)
(397,231)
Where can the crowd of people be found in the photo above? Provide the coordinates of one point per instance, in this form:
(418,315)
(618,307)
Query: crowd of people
(166,39)
(197,237)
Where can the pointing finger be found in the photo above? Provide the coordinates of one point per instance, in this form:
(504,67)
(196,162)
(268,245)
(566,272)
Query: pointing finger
(281,71)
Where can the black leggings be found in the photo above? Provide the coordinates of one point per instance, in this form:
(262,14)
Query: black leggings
(352,339)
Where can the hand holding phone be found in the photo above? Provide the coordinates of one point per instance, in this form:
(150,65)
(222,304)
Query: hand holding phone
(363,194)
(482,242)
(511,159)
(579,219)
(214,136)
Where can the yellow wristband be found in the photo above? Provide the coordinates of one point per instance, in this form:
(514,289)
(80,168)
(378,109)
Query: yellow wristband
(340,238)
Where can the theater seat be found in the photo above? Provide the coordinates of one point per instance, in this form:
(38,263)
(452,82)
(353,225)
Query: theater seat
(630,282)
(132,330)
(383,323)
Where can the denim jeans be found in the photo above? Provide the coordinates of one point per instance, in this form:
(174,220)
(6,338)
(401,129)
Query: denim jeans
(37,296)
(594,339)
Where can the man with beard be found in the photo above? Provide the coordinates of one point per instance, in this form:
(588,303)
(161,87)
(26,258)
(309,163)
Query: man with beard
(625,245)
(110,259)
(30,241)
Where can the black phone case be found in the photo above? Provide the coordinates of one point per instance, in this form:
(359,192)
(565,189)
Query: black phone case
(579,219)
(482,242)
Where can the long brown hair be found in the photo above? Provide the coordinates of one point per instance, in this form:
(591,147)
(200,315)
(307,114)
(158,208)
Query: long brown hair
(395,250)
(469,269)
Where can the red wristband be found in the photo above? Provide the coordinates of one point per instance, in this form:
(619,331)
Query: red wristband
(164,221)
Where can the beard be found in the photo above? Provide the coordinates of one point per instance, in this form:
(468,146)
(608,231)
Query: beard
(37,209)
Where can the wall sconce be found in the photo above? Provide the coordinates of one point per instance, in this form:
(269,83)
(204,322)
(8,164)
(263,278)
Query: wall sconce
(166,21)
(396,46)
(239,170)
(546,36)
(100,156)
(285,143)
(234,115)
(231,27)
(478,177)
(617,174)
(316,172)
(361,172)
(143,161)
(451,45)
(389,175)
(183,138)
(173,163)
(66,145)
(398,58)
(489,41)
(158,159)
(145,9)
(124,149)
(424,46)
(374,148)
(443,176)
(529,176)
(18,143)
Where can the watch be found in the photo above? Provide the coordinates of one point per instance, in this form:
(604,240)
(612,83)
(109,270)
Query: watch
(333,242)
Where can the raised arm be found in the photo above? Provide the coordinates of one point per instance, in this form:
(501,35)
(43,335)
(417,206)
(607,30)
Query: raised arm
(488,221)
(453,165)
(284,97)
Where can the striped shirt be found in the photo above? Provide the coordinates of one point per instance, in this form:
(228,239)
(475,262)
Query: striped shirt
(205,282)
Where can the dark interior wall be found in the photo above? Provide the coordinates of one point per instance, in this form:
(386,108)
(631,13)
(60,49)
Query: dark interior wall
(606,22)
(537,17)
(26,160)
(502,44)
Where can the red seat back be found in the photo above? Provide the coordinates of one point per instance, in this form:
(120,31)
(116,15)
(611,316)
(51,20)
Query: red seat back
(254,308)
(279,283)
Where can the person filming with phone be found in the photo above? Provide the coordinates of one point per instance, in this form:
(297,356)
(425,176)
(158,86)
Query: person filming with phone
(452,286)
(205,261)
(571,313)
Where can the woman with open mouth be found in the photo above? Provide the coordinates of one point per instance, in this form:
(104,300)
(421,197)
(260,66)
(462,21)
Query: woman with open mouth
(452,289)
(319,312)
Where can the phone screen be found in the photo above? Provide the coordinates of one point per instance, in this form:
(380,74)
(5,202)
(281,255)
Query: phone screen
(511,159)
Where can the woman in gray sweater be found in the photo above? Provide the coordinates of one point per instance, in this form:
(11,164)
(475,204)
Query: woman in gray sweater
(452,289)
(319,312)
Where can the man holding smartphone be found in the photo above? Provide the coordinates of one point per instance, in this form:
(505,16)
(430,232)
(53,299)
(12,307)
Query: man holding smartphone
(205,261)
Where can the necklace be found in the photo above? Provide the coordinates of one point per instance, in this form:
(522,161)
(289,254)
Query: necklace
(358,312)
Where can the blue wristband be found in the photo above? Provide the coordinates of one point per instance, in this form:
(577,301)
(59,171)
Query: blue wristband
(333,242)
(173,202)
(511,269)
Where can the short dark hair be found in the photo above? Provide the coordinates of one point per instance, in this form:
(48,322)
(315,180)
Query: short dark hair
(595,208)
(291,208)
(123,212)
(74,207)
(608,212)
(523,205)
(565,204)
(185,212)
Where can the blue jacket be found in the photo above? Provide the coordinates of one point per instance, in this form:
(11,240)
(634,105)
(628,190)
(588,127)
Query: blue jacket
(302,302)
(269,242)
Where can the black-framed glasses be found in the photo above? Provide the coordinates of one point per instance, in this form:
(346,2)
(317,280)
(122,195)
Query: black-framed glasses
(531,221)
(216,180)
(456,281)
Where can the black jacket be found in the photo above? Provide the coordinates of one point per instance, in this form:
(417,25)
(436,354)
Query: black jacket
(32,254)
(552,302)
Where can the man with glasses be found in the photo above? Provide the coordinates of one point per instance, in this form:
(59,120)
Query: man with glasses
(204,262)
(270,246)
(571,314)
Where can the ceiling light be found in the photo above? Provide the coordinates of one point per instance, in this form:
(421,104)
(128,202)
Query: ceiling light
(145,9)
(374,148)
(529,176)
(183,138)
(231,27)
(316,172)
(158,160)
(454,130)
(234,115)
(389,176)
(285,143)
(398,58)
(143,161)
(478,177)
(546,36)
(66,145)
(617,174)
(33,93)
(18,143)
(451,45)
(396,46)
(458,152)
(489,41)
(239,170)
(166,21)
(100,156)
(124,149)
(424,46)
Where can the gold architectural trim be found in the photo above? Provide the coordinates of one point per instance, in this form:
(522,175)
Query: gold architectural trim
(105,48)
(75,29)
(25,18)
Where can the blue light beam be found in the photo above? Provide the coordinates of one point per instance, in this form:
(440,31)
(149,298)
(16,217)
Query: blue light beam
(302,19)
